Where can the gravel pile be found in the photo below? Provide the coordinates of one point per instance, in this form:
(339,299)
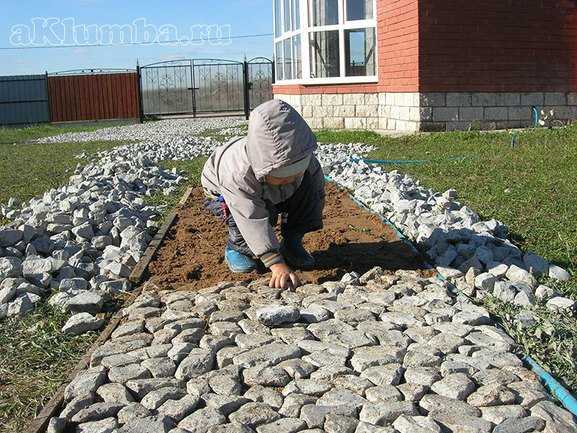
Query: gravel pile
(78,244)
(474,254)
(379,353)
(183,131)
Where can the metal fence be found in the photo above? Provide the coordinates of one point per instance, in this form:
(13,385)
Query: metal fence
(23,100)
(200,86)
(83,95)
(181,87)
(260,79)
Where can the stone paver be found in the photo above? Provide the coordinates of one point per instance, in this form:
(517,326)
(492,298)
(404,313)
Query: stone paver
(426,362)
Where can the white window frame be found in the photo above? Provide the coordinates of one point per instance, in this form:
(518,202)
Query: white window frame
(304,33)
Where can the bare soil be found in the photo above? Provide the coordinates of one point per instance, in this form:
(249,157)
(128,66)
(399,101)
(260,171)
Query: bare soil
(191,255)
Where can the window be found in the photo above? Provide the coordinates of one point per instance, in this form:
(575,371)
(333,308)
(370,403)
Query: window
(360,52)
(359,10)
(325,41)
(288,47)
(279,61)
(296,16)
(297,60)
(324,12)
(277,18)
(287,16)
(287,60)
(325,54)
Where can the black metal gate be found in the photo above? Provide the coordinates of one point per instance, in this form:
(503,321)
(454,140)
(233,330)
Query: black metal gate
(260,71)
(204,86)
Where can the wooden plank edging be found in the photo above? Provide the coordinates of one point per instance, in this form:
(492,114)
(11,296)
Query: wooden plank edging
(40,422)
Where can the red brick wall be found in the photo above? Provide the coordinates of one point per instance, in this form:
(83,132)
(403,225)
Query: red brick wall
(498,45)
(397,51)
(296,89)
(398,46)
(475,46)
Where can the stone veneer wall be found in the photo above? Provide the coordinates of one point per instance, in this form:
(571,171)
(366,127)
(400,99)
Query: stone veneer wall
(412,112)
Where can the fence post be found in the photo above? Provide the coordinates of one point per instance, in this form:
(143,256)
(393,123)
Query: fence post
(140,105)
(48,97)
(273,74)
(246,87)
(193,87)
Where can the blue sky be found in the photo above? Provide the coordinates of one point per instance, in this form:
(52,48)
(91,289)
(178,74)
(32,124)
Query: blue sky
(234,17)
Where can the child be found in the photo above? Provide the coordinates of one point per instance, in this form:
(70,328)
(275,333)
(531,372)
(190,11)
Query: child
(251,180)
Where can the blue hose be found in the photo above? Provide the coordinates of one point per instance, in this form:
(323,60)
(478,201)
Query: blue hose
(395,161)
(554,387)
(407,161)
(535,116)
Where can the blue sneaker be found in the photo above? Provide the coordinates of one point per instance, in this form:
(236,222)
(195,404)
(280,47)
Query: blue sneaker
(295,254)
(238,262)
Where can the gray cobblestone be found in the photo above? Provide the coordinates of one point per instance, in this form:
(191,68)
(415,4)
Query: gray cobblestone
(263,394)
(410,359)
(416,424)
(97,412)
(284,425)
(107,425)
(225,404)
(157,398)
(132,411)
(270,354)
(115,393)
(202,420)
(128,372)
(386,413)
(151,424)
(254,415)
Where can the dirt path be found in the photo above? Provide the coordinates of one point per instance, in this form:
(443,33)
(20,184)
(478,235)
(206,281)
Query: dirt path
(191,256)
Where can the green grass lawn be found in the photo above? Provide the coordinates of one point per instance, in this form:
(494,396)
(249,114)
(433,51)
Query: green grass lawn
(34,360)
(28,170)
(192,169)
(530,187)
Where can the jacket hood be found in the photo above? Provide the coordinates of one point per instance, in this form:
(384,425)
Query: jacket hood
(277,136)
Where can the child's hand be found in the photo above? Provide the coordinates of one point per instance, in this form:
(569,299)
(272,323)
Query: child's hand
(283,277)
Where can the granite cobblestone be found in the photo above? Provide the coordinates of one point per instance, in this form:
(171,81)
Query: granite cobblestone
(348,371)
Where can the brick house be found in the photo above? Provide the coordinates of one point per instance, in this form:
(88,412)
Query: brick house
(426,65)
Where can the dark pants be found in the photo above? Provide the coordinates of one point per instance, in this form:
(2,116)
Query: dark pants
(301,213)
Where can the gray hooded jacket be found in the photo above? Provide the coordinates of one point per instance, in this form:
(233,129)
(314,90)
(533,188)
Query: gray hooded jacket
(277,136)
